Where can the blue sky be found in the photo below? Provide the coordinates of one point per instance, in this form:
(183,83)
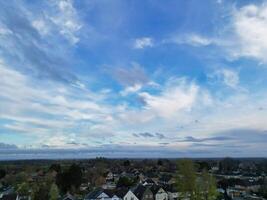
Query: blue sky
(146,78)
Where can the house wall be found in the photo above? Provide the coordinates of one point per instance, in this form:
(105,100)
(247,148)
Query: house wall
(148,195)
(115,198)
(161,195)
(130,196)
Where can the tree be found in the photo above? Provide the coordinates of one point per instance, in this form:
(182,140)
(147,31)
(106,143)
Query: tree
(53,193)
(21,177)
(41,193)
(2,173)
(192,186)
(160,162)
(75,174)
(186,179)
(23,189)
(55,167)
(69,178)
(126,163)
(208,183)
(125,182)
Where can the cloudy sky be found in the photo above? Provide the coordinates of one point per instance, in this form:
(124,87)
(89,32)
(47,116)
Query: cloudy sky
(133,78)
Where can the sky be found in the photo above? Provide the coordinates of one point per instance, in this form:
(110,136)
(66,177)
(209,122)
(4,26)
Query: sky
(135,78)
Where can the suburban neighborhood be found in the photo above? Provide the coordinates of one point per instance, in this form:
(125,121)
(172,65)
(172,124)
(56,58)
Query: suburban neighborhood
(107,179)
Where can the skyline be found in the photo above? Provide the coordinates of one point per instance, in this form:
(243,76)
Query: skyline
(185,78)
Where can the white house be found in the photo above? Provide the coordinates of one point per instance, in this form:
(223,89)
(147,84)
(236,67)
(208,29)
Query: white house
(161,194)
(130,196)
(115,197)
(97,195)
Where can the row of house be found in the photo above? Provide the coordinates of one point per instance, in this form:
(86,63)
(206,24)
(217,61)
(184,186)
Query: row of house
(139,192)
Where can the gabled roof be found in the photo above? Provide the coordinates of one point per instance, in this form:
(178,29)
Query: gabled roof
(149,181)
(95,194)
(121,192)
(155,188)
(68,196)
(110,193)
(139,191)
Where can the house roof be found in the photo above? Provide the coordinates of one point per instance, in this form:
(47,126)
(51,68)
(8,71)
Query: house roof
(155,188)
(149,181)
(121,192)
(94,194)
(68,196)
(139,191)
(110,193)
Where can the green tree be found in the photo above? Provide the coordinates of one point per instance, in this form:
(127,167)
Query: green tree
(195,187)
(23,189)
(41,193)
(186,179)
(209,189)
(69,178)
(125,182)
(2,173)
(53,193)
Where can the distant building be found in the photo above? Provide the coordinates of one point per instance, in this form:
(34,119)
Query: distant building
(143,193)
(159,193)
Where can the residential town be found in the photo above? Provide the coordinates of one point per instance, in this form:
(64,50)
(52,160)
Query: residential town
(111,179)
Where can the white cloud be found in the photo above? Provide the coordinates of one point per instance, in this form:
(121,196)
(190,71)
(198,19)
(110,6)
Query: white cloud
(175,97)
(192,39)
(45,108)
(249,25)
(244,35)
(61,18)
(141,43)
(42,27)
(56,111)
(131,89)
(4,31)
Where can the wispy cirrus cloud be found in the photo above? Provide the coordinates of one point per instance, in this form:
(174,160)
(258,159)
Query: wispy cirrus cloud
(187,92)
(24,45)
(60,17)
(242,37)
(191,39)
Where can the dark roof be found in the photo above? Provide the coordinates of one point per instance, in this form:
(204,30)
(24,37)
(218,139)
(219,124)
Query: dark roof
(94,194)
(121,192)
(9,197)
(68,197)
(110,193)
(155,188)
(139,191)
(150,181)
